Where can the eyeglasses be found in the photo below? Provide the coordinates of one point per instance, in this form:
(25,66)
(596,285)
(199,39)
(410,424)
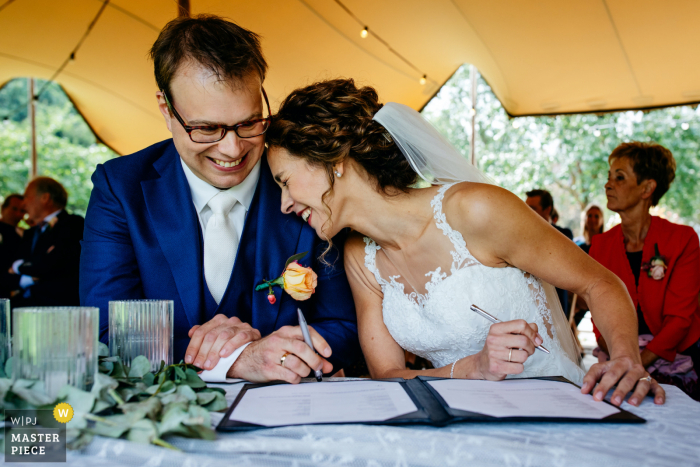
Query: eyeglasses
(212,133)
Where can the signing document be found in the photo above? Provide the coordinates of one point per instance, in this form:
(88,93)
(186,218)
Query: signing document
(524,398)
(329,402)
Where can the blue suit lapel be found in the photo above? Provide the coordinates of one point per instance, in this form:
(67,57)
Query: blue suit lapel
(169,203)
(269,238)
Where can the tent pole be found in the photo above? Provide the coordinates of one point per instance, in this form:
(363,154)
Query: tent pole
(183,8)
(472,136)
(32,124)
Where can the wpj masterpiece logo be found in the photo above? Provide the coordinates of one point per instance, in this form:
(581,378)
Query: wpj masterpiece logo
(37,435)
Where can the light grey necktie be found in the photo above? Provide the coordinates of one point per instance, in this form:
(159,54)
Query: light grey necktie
(220,244)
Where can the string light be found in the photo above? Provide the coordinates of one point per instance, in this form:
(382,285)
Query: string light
(365,33)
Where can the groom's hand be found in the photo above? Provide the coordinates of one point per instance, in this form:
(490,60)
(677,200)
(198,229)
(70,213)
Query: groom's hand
(217,339)
(262,361)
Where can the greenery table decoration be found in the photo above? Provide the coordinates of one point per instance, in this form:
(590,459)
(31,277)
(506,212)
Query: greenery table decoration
(126,402)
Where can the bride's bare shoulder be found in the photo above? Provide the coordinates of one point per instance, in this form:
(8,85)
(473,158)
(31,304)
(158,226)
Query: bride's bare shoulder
(475,206)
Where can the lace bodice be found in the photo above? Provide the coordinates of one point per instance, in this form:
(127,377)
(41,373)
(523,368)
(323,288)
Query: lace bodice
(439,325)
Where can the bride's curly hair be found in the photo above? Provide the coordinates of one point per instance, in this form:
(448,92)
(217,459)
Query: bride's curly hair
(330,121)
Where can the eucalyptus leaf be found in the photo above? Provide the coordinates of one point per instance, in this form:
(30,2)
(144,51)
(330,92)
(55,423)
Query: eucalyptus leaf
(203,398)
(197,416)
(5,385)
(151,407)
(139,367)
(102,350)
(218,404)
(106,367)
(148,379)
(31,392)
(103,384)
(144,432)
(193,379)
(179,373)
(78,439)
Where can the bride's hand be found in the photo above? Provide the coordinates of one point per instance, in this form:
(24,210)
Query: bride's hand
(508,345)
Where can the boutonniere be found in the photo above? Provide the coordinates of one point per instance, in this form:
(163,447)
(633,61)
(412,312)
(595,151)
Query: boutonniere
(52,222)
(656,266)
(297,280)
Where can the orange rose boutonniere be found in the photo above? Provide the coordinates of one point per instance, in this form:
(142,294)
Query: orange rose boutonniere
(656,266)
(297,280)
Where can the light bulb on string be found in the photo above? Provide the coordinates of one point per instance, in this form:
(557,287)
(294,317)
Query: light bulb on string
(364,32)
(423,80)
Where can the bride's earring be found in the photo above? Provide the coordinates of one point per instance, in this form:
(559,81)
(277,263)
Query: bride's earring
(338,174)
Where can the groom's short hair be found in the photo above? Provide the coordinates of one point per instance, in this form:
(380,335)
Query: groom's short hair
(228,50)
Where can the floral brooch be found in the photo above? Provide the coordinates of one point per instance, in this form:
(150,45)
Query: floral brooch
(656,266)
(297,280)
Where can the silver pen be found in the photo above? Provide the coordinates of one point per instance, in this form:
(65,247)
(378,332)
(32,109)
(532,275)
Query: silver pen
(495,320)
(307,338)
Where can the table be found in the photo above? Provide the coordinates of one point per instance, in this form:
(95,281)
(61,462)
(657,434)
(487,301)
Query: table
(671,437)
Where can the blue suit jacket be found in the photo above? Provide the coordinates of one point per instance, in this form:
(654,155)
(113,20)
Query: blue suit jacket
(143,240)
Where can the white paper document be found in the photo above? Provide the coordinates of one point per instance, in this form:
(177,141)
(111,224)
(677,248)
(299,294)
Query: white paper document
(327,402)
(524,398)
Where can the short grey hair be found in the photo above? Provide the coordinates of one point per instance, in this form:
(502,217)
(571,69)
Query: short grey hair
(55,190)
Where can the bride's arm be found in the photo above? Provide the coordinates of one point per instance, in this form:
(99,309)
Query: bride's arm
(386,359)
(501,230)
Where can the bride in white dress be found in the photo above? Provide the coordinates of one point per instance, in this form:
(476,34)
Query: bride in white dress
(419,257)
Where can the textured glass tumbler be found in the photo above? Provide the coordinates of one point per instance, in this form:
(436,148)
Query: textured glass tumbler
(141,327)
(56,345)
(5,332)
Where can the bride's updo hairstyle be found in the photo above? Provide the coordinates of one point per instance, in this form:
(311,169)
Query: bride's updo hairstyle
(329,121)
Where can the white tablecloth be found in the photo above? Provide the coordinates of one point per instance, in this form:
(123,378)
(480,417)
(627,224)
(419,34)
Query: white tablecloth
(671,437)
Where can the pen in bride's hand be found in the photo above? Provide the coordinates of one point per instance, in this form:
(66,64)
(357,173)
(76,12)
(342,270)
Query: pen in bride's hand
(495,320)
(307,338)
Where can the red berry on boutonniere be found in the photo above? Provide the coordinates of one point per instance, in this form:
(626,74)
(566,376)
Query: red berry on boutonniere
(297,280)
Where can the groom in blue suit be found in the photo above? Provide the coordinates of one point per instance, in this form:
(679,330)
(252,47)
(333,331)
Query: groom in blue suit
(196,219)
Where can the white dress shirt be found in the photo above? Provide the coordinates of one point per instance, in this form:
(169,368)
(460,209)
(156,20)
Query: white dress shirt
(202,192)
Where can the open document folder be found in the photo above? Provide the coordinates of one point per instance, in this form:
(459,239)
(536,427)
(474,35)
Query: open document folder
(424,400)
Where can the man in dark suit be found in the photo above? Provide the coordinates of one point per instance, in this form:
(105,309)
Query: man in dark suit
(196,219)
(46,273)
(542,203)
(10,235)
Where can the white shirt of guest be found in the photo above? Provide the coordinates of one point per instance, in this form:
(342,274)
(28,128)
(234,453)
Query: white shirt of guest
(202,192)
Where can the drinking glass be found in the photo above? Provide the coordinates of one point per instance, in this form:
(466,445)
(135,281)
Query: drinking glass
(5,332)
(141,327)
(56,345)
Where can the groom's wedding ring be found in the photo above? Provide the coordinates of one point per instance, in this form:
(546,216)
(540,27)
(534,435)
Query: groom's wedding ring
(510,353)
(647,379)
(284,357)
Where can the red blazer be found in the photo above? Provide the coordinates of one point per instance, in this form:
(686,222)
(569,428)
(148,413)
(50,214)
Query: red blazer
(670,305)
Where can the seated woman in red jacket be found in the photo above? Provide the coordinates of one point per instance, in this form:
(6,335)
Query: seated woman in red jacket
(658,261)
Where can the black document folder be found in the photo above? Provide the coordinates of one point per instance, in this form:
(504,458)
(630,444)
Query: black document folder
(432,409)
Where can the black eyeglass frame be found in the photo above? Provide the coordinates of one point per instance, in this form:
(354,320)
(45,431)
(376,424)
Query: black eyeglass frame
(189,129)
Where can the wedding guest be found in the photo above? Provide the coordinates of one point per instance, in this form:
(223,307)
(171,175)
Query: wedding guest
(592,224)
(658,261)
(10,234)
(204,228)
(542,203)
(46,273)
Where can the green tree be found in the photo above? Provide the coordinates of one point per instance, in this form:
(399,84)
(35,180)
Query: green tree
(566,154)
(67,150)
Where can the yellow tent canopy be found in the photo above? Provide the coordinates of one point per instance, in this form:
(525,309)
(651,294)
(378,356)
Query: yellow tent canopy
(540,57)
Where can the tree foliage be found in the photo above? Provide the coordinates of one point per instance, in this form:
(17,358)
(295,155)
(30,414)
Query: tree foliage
(566,154)
(67,150)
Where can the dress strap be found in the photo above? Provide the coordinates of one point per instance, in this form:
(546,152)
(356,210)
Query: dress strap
(371,259)
(461,253)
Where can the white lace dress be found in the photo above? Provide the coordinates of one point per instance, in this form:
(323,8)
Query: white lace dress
(440,327)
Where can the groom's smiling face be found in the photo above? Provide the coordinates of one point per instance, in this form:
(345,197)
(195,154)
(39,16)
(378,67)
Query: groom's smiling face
(200,98)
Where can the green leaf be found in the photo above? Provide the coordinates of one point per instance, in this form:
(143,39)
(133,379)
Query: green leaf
(293,258)
(203,398)
(32,392)
(148,379)
(218,404)
(180,374)
(193,379)
(103,384)
(144,432)
(139,367)
(8,367)
(106,367)
(151,407)
(102,350)
(5,385)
